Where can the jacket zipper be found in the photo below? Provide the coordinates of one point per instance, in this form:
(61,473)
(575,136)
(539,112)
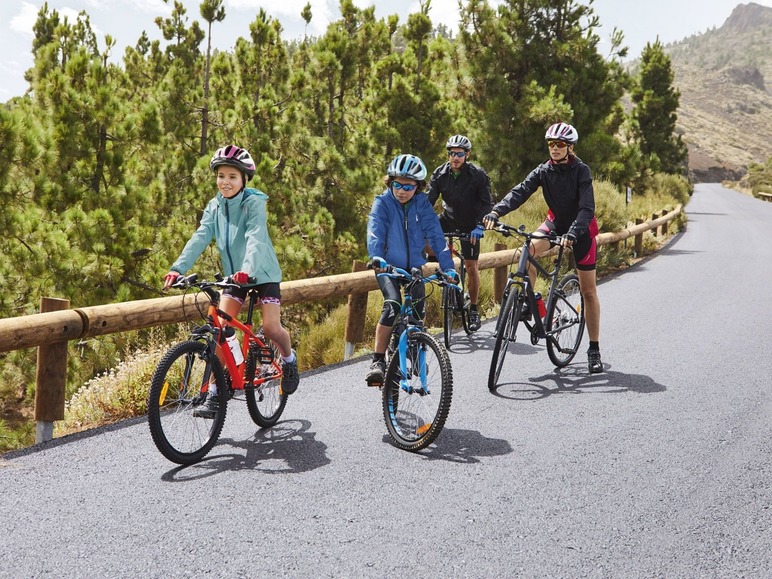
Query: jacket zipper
(407,237)
(228,235)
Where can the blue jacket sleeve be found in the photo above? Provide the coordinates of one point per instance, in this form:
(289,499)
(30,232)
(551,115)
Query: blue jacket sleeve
(198,242)
(377,229)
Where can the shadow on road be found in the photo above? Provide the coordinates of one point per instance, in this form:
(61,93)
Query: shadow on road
(574,379)
(464,446)
(287,448)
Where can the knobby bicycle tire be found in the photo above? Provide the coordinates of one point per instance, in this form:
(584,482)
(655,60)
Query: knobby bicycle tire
(505,332)
(414,420)
(266,402)
(176,390)
(567,316)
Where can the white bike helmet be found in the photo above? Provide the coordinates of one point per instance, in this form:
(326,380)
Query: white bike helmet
(408,166)
(459,141)
(562,132)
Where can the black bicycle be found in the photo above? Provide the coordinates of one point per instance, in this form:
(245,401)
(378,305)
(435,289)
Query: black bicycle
(418,384)
(563,325)
(455,301)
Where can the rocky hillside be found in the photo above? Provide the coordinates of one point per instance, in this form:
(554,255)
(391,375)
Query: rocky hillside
(726,104)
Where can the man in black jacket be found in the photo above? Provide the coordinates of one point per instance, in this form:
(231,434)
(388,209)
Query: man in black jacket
(566,183)
(466,199)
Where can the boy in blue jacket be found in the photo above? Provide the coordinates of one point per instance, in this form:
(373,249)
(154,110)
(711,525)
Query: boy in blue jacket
(401,223)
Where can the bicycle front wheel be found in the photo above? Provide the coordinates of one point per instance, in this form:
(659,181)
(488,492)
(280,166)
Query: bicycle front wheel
(265,402)
(179,386)
(565,321)
(416,406)
(506,331)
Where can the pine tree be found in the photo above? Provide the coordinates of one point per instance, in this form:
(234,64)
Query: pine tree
(655,114)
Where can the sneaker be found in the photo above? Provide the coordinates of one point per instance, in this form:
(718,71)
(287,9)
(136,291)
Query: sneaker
(290,376)
(209,408)
(593,361)
(377,372)
(474,320)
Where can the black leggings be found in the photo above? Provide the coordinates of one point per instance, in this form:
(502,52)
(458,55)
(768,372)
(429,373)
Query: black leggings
(392,299)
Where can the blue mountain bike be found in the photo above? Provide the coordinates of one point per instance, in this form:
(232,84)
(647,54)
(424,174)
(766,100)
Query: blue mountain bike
(418,384)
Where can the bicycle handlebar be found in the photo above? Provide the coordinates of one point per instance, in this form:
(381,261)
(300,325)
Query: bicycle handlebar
(457,234)
(508,230)
(189,281)
(416,274)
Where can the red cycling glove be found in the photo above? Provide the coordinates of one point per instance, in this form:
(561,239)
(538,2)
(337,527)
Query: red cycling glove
(240,277)
(170,278)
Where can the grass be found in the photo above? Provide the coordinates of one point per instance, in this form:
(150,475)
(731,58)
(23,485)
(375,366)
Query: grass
(121,392)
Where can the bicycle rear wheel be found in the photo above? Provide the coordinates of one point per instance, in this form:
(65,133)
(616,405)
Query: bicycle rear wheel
(448,308)
(505,332)
(415,409)
(265,402)
(179,385)
(565,321)
(463,299)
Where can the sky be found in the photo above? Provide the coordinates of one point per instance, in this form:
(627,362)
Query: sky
(641,21)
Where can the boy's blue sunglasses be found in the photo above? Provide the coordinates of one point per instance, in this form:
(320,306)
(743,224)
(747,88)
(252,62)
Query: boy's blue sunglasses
(397,185)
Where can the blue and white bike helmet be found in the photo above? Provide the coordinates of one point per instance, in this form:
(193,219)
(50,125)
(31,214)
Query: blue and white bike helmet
(408,166)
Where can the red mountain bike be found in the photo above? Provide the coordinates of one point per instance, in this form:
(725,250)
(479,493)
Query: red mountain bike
(182,379)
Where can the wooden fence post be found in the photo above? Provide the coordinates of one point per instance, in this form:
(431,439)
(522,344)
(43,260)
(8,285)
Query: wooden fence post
(664,225)
(51,378)
(638,248)
(499,276)
(356,311)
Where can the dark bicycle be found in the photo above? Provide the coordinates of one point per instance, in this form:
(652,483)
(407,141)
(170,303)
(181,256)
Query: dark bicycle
(418,384)
(563,325)
(455,301)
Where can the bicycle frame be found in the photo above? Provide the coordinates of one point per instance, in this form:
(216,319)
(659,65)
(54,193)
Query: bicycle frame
(407,317)
(217,321)
(526,284)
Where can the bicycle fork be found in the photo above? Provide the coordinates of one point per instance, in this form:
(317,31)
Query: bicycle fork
(402,349)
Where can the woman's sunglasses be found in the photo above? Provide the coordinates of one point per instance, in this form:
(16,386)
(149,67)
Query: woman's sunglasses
(558,144)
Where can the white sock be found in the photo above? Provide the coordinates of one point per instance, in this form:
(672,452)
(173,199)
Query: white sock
(290,358)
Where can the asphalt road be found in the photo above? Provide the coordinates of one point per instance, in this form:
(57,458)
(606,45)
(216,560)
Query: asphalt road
(659,467)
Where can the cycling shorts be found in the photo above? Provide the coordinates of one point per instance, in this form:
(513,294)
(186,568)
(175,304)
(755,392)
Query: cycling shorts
(585,249)
(268,293)
(468,250)
(392,299)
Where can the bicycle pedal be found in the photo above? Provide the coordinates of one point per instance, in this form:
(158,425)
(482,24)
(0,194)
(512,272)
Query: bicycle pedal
(265,356)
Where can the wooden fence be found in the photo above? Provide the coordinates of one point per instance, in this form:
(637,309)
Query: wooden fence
(764,196)
(57,324)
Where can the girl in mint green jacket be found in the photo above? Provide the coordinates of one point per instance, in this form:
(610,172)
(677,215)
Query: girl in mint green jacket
(236,219)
